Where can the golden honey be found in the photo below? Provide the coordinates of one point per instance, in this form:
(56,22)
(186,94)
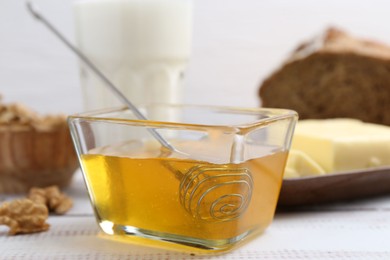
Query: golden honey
(196,203)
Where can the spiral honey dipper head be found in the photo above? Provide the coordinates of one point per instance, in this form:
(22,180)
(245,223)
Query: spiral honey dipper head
(216,194)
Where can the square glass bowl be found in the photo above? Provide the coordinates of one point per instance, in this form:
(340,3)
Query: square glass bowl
(212,185)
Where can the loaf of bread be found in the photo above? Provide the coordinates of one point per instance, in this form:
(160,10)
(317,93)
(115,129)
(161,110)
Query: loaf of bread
(335,75)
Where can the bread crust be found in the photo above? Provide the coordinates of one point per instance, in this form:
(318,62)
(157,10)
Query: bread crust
(335,75)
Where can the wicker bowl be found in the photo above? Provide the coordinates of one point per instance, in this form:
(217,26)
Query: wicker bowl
(35,153)
(30,158)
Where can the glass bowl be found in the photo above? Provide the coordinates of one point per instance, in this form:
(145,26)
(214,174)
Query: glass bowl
(213,184)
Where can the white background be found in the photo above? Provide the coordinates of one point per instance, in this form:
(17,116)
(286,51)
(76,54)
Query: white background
(236,44)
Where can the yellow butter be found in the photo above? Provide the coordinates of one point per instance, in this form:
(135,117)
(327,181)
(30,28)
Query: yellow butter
(343,144)
(299,164)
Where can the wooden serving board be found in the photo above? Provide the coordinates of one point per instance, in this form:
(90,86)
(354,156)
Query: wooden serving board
(335,187)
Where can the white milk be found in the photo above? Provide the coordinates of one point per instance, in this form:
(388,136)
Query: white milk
(142,46)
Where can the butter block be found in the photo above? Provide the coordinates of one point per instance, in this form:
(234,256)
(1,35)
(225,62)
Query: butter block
(299,164)
(343,144)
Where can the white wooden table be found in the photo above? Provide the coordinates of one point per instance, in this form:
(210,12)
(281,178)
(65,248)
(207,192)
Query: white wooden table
(354,230)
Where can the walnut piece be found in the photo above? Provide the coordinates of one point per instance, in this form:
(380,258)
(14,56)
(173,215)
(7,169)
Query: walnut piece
(24,216)
(18,114)
(29,215)
(52,197)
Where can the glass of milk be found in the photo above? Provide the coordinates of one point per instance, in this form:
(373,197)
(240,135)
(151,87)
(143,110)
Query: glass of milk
(142,46)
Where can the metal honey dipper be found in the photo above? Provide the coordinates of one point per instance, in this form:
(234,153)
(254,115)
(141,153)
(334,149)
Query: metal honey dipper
(202,190)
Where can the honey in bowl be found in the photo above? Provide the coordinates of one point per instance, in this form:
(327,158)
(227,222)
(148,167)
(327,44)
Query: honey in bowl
(215,190)
(145,194)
